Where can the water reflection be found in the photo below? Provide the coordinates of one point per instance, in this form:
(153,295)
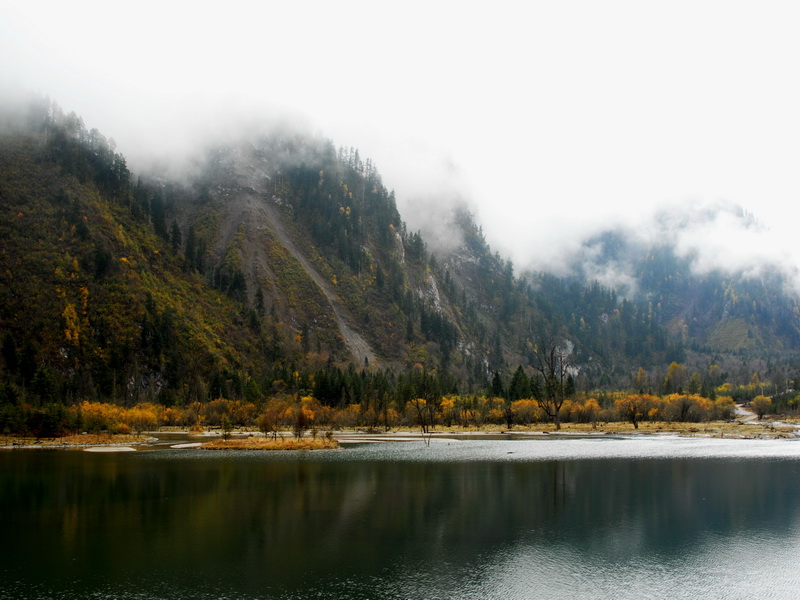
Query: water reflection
(394,522)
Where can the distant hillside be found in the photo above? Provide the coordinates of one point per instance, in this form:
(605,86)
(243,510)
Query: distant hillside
(713,310)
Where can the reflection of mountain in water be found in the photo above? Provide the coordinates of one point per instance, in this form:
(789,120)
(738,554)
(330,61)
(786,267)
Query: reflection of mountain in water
(258,523)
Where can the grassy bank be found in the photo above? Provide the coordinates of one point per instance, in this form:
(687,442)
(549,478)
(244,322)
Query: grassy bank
(719,429)
(259,443)
(732,429)
(76,440)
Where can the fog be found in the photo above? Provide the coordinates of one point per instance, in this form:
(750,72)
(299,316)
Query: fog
(552,121)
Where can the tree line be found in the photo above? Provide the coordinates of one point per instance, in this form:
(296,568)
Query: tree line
(301,413)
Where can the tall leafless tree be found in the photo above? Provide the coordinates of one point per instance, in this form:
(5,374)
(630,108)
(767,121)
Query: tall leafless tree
(553,363)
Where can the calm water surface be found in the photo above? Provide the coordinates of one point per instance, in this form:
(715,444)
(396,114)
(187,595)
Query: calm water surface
(599,518)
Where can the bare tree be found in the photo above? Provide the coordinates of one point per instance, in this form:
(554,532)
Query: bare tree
(426,416)
(553,363)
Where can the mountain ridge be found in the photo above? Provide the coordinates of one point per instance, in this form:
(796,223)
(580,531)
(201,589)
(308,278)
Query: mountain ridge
(282,260)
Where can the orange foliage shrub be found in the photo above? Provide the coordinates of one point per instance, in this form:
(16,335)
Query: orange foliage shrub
(634,407)
(141,417)
(687,408)
(348,417)
(762,405)
(120,429)
(211,412)
(242,413)
(526,411)
(98,416)
(449,410)
(239,412)
(310,407)
(392,417)
(496,410)
(569,409)
(325,415)
(590,411)
(171,417)
(724,408)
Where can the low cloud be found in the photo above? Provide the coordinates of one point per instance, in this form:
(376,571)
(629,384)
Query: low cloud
(554,125)
(714,236)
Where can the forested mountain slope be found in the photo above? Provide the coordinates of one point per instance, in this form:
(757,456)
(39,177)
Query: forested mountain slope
(282,265)
(750,310)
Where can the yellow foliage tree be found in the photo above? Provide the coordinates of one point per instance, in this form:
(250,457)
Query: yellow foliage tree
(98,416)
(724,408)
(633,407)
(526,411)
(72,325)
(590,411)
(496,410)
(761,405)
(449,409)
(141,417)
(681,407)
(676,374)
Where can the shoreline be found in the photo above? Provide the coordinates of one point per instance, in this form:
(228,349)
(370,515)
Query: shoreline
(740,429)
(76,441)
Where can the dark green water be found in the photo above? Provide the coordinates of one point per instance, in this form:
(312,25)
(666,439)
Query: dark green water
(470,519)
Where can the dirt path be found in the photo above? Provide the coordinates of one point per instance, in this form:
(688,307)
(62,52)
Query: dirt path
(745,416)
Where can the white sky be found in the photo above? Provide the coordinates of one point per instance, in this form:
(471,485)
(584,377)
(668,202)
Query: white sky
(552,118)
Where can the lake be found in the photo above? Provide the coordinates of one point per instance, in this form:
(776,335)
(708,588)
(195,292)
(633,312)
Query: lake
(608,517)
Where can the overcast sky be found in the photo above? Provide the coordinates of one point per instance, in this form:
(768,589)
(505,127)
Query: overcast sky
(551,118)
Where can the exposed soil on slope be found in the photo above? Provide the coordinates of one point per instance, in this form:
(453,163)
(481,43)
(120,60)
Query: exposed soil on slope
(359,347)
(249,206)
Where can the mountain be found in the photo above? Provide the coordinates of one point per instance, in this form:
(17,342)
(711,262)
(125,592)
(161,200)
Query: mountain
(314,231)
(747,309)
(280,264)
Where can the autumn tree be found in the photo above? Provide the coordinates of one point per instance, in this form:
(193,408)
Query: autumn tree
(141,418)
(267,421)
(761,405)
(591,410)
(633,407)
(674,380)
(724,408)
(681,407)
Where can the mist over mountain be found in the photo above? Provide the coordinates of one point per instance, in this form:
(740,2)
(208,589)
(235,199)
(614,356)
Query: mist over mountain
(280,263)
(714,300)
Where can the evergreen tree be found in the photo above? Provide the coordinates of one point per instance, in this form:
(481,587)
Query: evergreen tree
(520,386)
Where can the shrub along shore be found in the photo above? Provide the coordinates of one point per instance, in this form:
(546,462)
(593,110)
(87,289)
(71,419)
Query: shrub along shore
(305,417)
(248,439)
